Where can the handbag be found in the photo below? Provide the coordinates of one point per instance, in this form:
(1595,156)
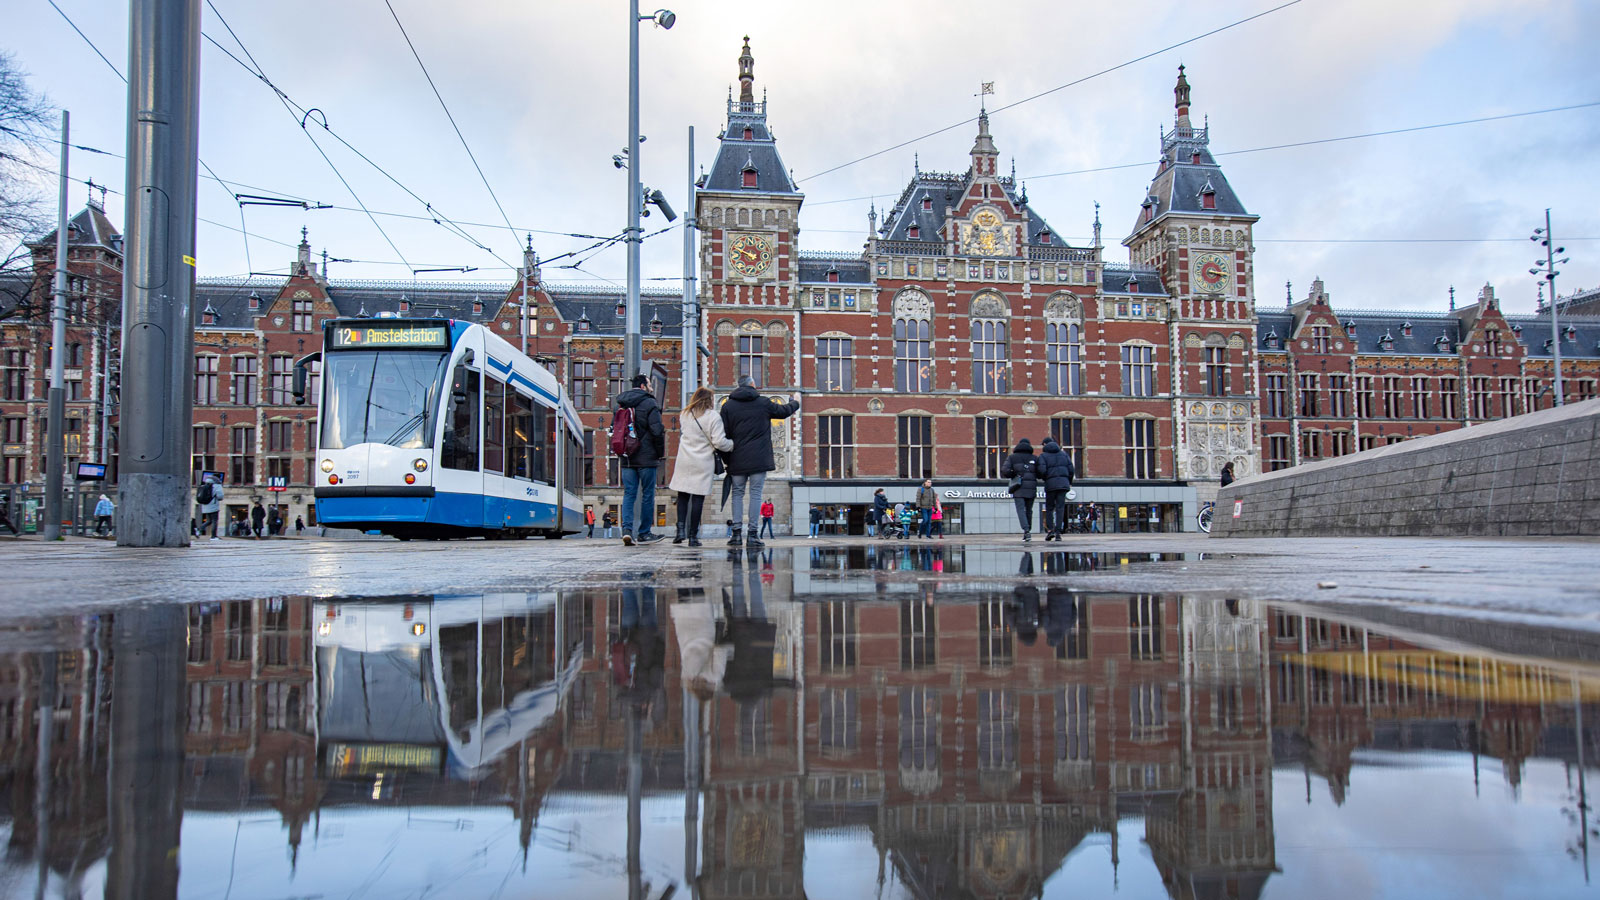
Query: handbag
(717,465)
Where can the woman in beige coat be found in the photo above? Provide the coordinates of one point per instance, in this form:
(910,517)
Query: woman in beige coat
(700,433)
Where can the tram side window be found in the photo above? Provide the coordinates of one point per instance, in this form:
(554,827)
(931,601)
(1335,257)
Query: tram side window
(494,425)
(548,420)
(519,434)
(574,463)
(461,425)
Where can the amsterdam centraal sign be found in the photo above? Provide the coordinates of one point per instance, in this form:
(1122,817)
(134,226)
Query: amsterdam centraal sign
(974,493)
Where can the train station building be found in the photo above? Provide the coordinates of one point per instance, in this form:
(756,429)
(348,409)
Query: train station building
(965,323)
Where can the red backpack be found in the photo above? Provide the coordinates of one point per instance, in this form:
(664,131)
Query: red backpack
(624,440)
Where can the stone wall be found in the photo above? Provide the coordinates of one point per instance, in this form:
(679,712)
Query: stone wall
(1535,474)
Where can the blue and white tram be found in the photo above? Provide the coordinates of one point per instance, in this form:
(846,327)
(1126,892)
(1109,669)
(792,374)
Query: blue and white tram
(436,428)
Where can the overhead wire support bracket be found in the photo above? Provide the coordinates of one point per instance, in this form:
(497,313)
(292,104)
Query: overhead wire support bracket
(263,200)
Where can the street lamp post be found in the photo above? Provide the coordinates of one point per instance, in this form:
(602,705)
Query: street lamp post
(1547,268)
(632,344)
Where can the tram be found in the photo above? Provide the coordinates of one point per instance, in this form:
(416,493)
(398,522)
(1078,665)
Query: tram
(437,428)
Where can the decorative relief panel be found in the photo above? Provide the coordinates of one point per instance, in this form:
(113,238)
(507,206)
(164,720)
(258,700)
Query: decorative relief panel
(912,304)
(988,306)
(1063,308)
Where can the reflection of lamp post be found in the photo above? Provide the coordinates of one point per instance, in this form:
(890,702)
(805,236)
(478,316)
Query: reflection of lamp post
(632,343)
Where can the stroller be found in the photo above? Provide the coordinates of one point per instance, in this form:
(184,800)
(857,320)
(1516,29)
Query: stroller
(892,527)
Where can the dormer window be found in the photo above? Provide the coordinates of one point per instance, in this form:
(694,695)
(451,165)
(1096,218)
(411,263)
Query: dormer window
(1386,342)
(927,204)
(1149,209)
(655,325)
(1350,329)
(749,133)
(833,274)
(255,300)
(1405,328)
(584,325)
(1133,284)
(1570,333)
(209,316)
(1208,200)
(913,233)
(1272,340)
(405,305)
(750,177)
(1194,158)
(477,307)
(1442,343)
(1044,237)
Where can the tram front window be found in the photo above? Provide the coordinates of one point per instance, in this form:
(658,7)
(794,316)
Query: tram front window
(380,397)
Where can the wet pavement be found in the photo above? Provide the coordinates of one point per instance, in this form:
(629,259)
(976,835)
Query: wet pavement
(827,720)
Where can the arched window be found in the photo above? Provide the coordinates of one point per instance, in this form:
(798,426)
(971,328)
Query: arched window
(991,366)
(913,355)
(1063,358)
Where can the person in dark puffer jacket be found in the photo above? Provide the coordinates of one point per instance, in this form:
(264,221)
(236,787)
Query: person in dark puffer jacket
(1055,470)
(1022,467)
(747,417)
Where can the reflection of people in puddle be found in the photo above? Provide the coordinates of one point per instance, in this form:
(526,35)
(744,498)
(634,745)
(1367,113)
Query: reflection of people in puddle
(701,647)
(749,673)
(1025,604)
(638,658)
(1061,615)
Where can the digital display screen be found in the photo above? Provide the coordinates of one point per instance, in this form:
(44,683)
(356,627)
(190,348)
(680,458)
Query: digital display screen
(91,472)
(390,335)
(364,759)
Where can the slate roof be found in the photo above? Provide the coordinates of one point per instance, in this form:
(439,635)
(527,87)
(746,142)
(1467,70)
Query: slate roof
(1581,335)
(1180,180)
(735,154)
(229,299)
(1114,280)
(946,190)
(90,226)
(815,268)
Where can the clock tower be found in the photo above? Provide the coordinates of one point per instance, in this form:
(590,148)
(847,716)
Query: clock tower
(1196,232)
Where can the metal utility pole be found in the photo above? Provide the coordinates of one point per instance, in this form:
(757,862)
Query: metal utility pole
(1543,236)
(690,332)
(55,450)
(158,285)
(632,344)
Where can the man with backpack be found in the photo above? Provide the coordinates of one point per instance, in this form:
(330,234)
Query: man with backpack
(209,496)
(639,441)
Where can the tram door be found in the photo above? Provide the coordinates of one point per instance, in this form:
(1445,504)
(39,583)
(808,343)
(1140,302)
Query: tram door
(461,452)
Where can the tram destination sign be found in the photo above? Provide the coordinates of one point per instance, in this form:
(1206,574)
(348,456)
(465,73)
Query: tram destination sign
(389,335)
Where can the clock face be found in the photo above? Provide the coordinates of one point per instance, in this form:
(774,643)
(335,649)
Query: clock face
(749,254)
(1211,273)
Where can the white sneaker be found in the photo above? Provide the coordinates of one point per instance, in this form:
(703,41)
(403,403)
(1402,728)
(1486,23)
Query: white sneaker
(216,538)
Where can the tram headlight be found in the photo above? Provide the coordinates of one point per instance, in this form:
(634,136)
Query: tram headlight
(410,478)
(327,465)
(421,465)
(418,629)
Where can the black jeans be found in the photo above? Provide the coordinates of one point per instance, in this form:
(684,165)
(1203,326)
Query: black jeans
(1055,512)
(690,506)
(1024,512)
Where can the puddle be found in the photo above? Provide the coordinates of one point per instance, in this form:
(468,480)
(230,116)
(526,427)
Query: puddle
(1009,736)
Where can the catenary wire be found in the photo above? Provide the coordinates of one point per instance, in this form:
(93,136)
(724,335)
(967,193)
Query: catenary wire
(1061,87)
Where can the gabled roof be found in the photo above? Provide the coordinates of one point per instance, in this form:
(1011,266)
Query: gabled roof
(1580,335)
(1433,333)
(946,190)
(89,227)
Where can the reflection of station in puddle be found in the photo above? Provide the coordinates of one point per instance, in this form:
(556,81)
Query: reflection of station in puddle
(975,744)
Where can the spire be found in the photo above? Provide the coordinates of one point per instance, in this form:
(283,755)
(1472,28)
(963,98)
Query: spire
(1097,223)
(984,153)
(747,74)
(303,261)
(1453,296)
(1180,99)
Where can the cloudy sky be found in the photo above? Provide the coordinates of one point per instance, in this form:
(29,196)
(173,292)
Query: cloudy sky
(539,90)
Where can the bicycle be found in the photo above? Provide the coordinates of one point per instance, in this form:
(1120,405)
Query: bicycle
(1203,517)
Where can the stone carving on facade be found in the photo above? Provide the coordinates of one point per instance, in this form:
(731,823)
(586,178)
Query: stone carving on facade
(953,407)
(725,329)
(875,405)
(1217,433)
(1104,409)
(988,305)
(912,304)
(1029,408)
(1063,308)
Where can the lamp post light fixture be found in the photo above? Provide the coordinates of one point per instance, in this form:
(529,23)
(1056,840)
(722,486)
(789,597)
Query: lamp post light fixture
(632,342)
(1547,268)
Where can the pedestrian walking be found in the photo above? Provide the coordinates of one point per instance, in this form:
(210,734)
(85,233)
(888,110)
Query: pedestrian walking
(209,496)
(927,499)
(275,525)
(767,511)
(1094,518)
(880,508)
(748,416)
(1227,474)
(1055,470)
(258,519)
(938,519)
(695,467)
(299,526)
(103,510)
(816,520)
(607,522)
(1022,467)
(639,467)
(5,517)
(588,519)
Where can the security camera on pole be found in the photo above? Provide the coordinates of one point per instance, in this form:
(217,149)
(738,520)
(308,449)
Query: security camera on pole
(632,344)
(1547,268)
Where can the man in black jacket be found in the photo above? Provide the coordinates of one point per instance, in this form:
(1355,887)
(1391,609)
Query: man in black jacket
(639,467)
(1055,470)
(748,417)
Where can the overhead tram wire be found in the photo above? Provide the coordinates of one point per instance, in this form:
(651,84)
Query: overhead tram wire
(1061,87)
(92,46)
(447,114)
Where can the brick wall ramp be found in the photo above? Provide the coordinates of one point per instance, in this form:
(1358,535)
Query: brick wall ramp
(1534,474)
